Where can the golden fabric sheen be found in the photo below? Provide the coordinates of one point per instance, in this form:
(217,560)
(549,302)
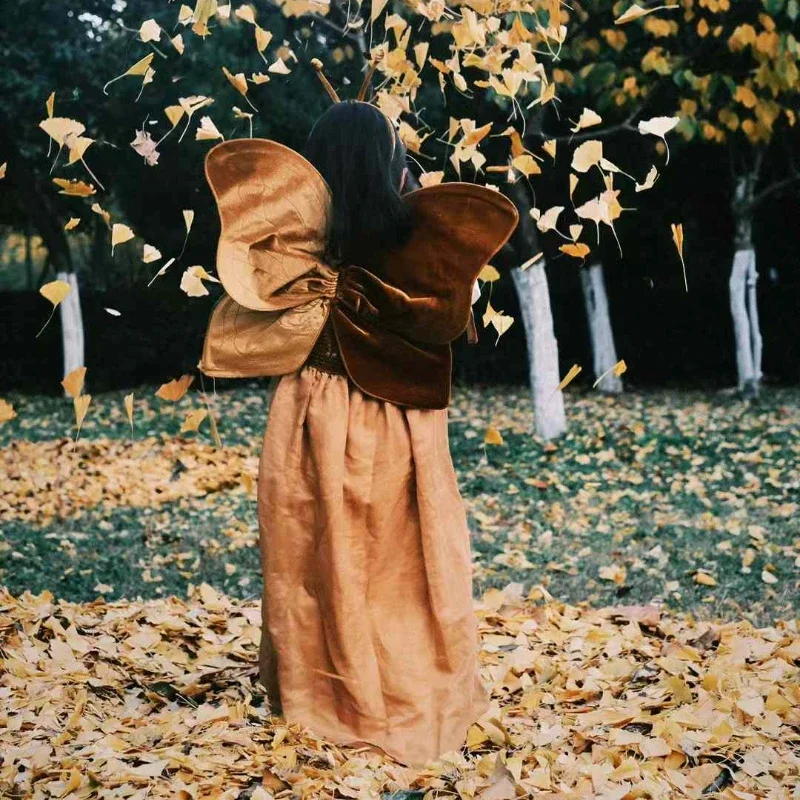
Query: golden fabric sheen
(367,575)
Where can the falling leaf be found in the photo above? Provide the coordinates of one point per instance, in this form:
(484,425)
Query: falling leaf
(431,178)
(550,147)
(119,234)
(3,168)
(73,383)
(146,146)
(636,12)
(72,222)
(278,67)
(492,436)
(677,238)
(587,155)
(587,119)
(150,253)
(177,43)
(150,31)
(573,373)
(188,219)
(192,281)
(174,390)
(660,127)
(489,274)
(619,369)
(55,292)
(74,188)
(193,420)
(377,9)
(59,128)
(549,219)
(113,312)
(81,406)
(207,130)
(7,412)
(162,271)
(577,250)
(649,181)
(141,67)
(128,403)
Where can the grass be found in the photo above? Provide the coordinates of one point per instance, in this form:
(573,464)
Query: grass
(648,494)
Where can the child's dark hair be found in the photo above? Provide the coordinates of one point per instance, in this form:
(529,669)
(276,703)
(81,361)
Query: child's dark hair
(358,152)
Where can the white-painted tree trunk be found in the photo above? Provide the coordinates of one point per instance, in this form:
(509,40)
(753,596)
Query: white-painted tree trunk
(534,300)
(746,328)
(71,324)
(604,352)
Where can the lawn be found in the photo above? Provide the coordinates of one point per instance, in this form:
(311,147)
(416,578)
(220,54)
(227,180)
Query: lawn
(686,500)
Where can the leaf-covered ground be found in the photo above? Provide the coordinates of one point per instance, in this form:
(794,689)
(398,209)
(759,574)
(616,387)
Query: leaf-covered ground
(160,700)
(683,499)
(129,623)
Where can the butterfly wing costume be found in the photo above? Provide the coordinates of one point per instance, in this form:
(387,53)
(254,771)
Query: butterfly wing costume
(394,321)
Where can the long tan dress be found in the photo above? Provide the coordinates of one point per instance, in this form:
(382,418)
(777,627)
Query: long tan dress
(367,571)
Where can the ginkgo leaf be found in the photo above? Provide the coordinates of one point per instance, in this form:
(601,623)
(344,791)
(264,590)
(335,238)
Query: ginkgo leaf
(207,130)
(73,383)
(174,390)
(74,188)
(7,412)
(50,104)
(192,281)
(246,13)
(113,312)
(677,238)
(55,291)
(150,253)
(618,369)
(577,250)
(188,219)
(163,270)
(573,373)
(141,67)
(259,78)
(147,147)
(177,43)
(636,12)
(278,67)
(193,420)
(377,9)
(489,274)
(549,219)
(72,222)
(492,436)
(150,31)
(649,181)
(587,155)
(3,168)
(660,127)
(550,147)
(587,119)
(120,234)
(263,38)
(704,579)
(81,406)
(431,178)
(128,403)
(58,128)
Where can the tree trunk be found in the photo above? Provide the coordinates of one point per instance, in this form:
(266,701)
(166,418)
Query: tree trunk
(549,419)
(41,212)
(534,300)
(604,352)
(743,298)
(71,324)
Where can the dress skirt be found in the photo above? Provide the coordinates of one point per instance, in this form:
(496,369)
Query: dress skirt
(368,626)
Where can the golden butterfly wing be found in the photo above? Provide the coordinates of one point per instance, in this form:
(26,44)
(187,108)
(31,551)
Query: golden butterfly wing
(273,207)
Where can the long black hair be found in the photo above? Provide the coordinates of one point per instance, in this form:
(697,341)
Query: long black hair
(358,152)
